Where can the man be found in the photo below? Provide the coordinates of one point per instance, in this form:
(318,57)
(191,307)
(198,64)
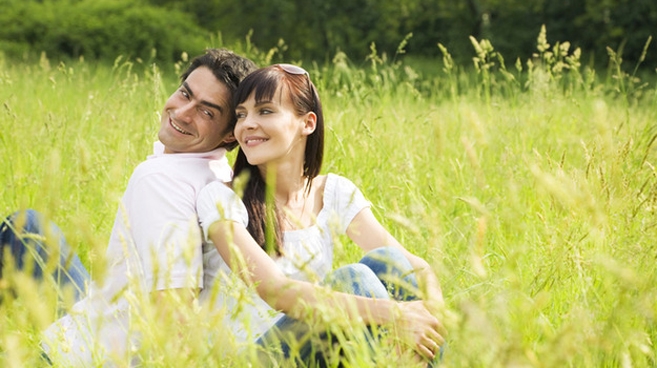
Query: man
(156,244)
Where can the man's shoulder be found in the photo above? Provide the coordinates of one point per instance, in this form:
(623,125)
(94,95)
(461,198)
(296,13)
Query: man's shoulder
(175,170)
(167,172)
(173,164)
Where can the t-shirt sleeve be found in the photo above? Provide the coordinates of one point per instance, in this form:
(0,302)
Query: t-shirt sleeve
(345,199)
(217,202)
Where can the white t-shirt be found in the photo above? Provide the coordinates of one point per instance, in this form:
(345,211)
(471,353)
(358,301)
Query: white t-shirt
(156,243)
(307,253)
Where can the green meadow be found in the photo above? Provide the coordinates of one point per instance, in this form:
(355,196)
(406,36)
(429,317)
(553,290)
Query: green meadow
(529,185)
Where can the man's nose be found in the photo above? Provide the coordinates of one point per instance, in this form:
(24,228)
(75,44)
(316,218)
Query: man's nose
(184,113)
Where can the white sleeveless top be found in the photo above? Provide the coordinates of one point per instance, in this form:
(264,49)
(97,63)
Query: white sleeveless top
(307,253)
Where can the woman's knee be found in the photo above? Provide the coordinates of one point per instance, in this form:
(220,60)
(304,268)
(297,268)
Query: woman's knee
(387,260)
(352,271)
(394,270)
(384,254)
(357,279)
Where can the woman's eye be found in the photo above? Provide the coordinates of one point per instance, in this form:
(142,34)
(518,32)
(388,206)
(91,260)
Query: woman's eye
(265,111)
(240,115)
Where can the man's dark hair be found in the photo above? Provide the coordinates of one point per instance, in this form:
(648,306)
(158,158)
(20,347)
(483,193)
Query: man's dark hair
(229,68)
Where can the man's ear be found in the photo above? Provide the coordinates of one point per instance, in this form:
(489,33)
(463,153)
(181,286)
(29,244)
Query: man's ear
(310,123)
(230,138)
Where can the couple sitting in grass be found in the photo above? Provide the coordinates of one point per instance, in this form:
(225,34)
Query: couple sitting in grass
(263,258)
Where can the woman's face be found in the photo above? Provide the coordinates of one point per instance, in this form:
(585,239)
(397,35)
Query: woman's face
(271,131)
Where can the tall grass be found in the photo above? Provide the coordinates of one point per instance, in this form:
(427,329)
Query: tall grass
(530,187)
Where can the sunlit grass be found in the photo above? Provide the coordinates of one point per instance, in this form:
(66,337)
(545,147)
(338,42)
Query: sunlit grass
(531,190)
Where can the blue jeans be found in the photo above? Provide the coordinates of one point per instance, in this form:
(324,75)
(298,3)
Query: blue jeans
(382,273)
(30,244)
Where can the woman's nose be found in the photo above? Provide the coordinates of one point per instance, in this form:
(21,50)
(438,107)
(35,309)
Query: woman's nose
(248,122)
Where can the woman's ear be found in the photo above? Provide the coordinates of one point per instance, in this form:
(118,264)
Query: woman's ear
(310,123)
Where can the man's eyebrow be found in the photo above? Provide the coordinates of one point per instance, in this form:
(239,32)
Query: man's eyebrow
(203,102)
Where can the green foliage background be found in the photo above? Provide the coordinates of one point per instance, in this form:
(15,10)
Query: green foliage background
(318,30)
(518,166)
(96,30)
(531,190)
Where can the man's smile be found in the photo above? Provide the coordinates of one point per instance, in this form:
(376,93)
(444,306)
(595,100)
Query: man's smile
(177,128)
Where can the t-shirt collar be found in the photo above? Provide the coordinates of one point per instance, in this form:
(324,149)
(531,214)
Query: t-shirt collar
(216,154)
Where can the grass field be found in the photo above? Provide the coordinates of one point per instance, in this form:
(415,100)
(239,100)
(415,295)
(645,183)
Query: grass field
(531,189)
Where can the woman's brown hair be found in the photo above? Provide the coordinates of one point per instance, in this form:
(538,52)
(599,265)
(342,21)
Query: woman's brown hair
(263,84)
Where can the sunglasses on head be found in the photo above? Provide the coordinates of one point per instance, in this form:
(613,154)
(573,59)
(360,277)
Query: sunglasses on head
(293,69)
(297,70)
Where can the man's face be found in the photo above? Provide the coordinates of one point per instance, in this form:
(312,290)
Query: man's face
(196,116)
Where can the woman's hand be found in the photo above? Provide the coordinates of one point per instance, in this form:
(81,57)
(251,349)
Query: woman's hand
(420,329)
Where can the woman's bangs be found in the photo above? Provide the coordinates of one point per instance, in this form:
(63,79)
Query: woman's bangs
(264,82)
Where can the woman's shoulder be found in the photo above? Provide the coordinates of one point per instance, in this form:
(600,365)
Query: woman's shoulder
(217,185)
(330,180)
(217,200)
(216,191)
(342,198)
(334,187)
(319,182)
(338,182)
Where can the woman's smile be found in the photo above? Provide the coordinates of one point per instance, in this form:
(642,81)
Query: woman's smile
(251,141)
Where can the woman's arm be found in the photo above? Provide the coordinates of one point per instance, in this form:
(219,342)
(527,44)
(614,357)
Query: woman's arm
(295,298)
(366,231)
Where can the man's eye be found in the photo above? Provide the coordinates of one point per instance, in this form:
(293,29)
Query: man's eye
(184,93)
(208,113)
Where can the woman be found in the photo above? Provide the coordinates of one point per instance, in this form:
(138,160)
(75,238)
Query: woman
(280,239)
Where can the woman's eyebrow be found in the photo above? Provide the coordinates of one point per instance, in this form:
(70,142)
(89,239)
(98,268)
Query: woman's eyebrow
(256,104)
(262,102)
(203,102)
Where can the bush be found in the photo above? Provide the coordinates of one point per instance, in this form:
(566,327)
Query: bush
(98,29)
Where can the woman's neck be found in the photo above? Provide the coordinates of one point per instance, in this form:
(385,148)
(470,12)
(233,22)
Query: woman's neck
(291,186)
(293,197)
